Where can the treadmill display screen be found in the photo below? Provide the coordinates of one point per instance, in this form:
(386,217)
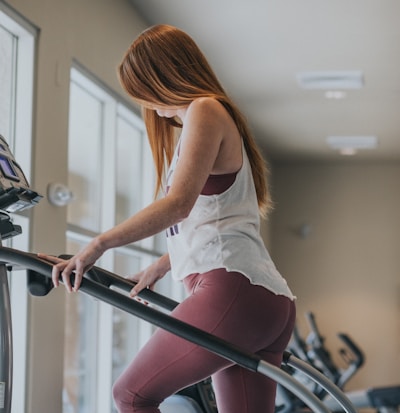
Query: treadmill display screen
(7,168)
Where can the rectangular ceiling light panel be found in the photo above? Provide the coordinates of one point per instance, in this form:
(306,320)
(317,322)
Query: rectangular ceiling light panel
(355,142)
(331,80)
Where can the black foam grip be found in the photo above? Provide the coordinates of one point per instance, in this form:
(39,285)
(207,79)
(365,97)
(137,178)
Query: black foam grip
(38,284)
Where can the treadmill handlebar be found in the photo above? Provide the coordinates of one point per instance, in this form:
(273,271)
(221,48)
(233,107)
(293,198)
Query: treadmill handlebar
(109,279)
(156,317)
(98,288)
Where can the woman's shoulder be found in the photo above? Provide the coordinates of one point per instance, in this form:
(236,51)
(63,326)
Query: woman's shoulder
(205,105)
(211,110)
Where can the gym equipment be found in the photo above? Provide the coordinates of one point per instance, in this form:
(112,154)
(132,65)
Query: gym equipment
(318,353)
(313,349)
(15,195)
(97,283)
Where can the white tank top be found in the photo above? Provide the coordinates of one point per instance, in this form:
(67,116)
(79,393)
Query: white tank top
(223,231)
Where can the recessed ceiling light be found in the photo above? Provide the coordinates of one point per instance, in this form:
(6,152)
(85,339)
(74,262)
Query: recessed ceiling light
(335,94)
(348,151)
(331,80)
(349,145)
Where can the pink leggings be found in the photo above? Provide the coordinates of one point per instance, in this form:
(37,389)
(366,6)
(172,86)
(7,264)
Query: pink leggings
(228,306)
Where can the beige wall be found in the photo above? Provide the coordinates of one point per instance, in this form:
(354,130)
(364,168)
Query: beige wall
(347,270)
(95,33)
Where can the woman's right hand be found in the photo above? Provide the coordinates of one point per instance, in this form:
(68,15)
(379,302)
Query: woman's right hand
(77,265)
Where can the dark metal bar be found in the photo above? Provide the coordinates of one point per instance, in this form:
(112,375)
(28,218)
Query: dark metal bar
(6,346)
(331,388)
(98,287)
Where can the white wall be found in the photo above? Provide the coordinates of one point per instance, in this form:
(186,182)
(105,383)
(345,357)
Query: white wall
(347,270)
(95,33)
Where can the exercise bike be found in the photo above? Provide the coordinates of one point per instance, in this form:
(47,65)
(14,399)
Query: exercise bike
(313,350)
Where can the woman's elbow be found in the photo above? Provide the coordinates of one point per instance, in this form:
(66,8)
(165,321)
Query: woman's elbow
(183,211)
(181,208)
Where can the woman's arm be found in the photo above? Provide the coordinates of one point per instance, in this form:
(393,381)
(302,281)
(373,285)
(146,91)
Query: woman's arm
(202,134)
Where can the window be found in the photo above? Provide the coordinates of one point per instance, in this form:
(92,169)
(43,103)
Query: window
(17,48)
(7,77)
(111,175)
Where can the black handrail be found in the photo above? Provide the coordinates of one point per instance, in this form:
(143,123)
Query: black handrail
(97,282)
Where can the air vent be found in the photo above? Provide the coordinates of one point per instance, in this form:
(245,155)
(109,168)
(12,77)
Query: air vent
(331,80)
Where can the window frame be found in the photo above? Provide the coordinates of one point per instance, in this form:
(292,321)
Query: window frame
(146,249)
(20,142)
(26,35)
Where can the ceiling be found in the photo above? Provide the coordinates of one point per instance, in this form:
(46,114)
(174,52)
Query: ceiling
(258,47)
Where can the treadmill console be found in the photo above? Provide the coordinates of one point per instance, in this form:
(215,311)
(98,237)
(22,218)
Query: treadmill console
(15,194)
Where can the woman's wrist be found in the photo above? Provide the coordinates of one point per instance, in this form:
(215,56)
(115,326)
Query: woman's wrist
(99,244)
(164,263)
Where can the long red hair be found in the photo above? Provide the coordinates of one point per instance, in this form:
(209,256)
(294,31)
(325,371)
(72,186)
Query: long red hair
(164,66)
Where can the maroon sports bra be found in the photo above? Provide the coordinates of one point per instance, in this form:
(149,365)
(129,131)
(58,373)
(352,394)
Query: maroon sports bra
(216,184)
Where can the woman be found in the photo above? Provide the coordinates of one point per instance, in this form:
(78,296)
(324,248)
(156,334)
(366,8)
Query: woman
(215,189)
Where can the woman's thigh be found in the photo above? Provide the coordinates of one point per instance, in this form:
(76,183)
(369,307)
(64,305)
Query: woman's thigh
(221,303)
